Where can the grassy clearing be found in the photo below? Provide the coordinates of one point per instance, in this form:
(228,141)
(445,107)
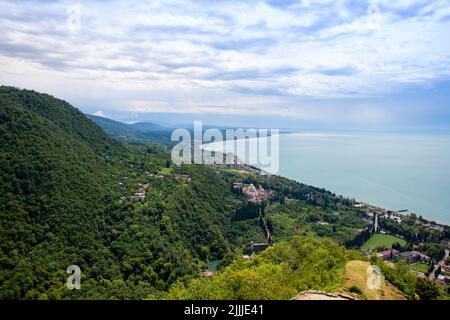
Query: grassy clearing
(382,240)
(166,171)
(420,267)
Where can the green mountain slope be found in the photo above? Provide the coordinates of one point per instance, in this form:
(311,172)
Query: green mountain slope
(61,185)
(113,128)
(134,134)
(51,200)
(147,127)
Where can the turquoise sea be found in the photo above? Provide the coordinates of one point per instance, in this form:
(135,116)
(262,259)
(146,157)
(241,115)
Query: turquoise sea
(394,171)
(391,170)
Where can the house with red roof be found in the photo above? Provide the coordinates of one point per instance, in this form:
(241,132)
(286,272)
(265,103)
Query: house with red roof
(388,254)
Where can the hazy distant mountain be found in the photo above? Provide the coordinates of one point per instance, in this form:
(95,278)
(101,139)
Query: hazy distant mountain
(136,133)
(148,127)
(114,128)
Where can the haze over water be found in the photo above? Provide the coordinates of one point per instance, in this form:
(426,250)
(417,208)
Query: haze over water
(394,171)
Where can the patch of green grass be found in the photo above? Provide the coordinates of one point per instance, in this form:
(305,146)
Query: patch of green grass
(166,170)
(420,267)
(382,240)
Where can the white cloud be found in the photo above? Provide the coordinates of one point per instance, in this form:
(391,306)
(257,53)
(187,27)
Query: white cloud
(235,57)
(99,113)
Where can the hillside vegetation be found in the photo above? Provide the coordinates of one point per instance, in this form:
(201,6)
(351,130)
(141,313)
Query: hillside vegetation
(356,276)
(61,185)
(280,272)
(140,133)
(140,227)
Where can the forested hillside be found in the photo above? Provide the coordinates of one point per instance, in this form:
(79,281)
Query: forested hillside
(52,193)
(140,227)
(61,185)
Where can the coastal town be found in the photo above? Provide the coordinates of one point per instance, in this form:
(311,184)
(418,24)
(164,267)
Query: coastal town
(423,265)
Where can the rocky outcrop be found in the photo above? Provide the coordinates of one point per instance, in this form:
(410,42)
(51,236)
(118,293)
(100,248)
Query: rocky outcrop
(322,295)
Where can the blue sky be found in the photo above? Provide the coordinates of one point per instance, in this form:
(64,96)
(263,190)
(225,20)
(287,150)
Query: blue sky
(327,64)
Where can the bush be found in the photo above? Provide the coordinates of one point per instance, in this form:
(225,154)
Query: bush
(355,289)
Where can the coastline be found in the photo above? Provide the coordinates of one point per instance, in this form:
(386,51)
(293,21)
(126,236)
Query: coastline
(380,209)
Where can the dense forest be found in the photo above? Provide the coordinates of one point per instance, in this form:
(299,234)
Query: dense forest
(62,183)
(68,197)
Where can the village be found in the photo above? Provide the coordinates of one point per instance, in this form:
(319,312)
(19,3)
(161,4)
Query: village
(255,195)
(421,264)
(440,272)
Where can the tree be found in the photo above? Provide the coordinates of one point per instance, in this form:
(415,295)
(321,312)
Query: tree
(426,289)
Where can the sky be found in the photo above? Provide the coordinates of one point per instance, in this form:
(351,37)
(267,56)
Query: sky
(289,64)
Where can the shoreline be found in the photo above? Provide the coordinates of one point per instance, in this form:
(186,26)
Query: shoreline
(398,213)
